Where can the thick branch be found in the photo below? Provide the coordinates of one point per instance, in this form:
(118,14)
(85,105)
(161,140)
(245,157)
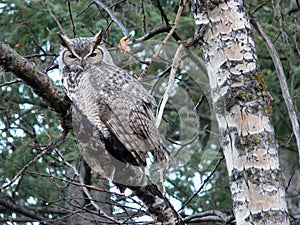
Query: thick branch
(41,84)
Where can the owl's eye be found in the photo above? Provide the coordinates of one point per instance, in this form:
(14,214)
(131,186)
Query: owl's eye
(96,54)
(93,54)
(69,55)
(72,56)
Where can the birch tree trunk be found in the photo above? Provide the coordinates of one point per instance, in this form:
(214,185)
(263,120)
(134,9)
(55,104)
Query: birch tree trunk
(243,110)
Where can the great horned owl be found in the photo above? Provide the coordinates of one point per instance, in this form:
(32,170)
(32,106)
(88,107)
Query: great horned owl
(111,100)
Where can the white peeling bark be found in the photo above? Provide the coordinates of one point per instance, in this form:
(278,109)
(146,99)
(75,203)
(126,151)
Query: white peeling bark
(242,106)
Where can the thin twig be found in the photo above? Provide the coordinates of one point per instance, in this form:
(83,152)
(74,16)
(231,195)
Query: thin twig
(200,101)
(87,193)
(117,3)
(11,82)
(182,3)
(71,18)
(40,55)
(157,78)
(8,204)
(162,12)
(153,32)
(29,30)
(296,42)
(202,186)
(48,148)
(113,17)
(259,6)
(84,10)
(144,17)
(54,17)
(169,35)
(282,79)
(189,142)
(176,61)
(85,189)
(290,180)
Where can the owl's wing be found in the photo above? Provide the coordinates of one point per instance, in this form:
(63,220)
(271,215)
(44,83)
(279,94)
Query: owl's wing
(142,123)
(140,120)
(117,122)
(135,129)
(125,108)
(132,123)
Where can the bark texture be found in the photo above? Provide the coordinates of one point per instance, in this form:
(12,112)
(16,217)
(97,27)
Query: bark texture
(242,106)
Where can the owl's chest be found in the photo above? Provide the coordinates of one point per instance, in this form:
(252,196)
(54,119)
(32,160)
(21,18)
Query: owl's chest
(84,96)
(91,97)
(71,82)
(95,92)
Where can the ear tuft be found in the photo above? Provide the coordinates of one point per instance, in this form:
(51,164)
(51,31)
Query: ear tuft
(98,37)
(64,40)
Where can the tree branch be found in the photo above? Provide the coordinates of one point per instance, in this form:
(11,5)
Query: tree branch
(8,203)
(176,61)
(282,79)
(153,32)
(87,193)
(204,183)
(113,17)
(71,18)
(48,148)
(41,84)
(169,35)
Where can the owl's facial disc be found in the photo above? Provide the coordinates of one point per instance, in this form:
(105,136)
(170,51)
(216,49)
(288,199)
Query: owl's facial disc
(74,59)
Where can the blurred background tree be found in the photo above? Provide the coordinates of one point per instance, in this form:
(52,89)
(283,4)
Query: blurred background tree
(28,126)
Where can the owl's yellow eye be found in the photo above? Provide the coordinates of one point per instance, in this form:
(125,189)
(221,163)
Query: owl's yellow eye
(93,54)
(97,53)
(69,56)
(72,56)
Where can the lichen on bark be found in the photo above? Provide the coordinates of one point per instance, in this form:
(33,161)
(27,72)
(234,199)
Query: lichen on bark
(242,106)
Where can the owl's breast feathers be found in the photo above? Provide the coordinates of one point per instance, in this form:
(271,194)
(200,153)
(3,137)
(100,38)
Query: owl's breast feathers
(119,105)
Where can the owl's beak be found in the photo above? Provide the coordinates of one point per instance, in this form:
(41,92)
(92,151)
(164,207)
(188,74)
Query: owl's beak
(83,64)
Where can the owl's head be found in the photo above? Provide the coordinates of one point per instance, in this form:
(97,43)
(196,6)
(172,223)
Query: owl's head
(77,53)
